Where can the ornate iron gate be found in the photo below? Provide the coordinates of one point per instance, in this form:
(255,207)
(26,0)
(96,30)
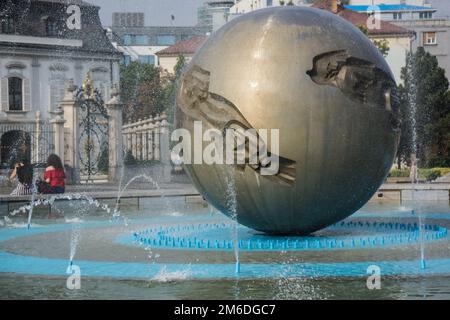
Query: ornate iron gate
(93,131)
(31,141)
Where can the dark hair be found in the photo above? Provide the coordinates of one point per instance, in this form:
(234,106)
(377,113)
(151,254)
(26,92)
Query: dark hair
(25,173)
(54,161)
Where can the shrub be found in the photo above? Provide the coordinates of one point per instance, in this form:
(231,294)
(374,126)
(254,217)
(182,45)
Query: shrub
(433,173)
(399,173)
(129,159)
(103,162)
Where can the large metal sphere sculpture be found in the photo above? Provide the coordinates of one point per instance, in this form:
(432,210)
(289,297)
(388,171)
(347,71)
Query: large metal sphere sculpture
(328,90)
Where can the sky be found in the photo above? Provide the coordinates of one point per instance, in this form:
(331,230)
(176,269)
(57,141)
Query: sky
(157,12)
(443,7)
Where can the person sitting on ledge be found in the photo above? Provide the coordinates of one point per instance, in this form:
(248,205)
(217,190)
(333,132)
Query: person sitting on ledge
(23,171)
(54,177)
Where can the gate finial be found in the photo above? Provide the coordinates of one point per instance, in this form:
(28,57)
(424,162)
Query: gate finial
(88,86)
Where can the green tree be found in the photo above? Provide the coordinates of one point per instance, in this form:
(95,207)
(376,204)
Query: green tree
(424,110)
(381,44)
(439,150)
(171,82)
(141,90)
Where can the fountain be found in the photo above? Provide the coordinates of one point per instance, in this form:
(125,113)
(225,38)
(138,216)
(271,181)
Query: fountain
(232,207)
(412,103)
(303,233)
(332,142)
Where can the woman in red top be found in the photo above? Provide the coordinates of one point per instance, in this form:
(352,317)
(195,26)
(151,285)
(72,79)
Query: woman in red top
(54,176)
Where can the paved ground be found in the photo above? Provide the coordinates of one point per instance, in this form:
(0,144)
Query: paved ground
(108,190)
(444,179)
(142,190)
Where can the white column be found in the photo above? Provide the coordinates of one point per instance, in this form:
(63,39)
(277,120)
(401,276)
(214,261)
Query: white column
(58,131)
(115,135)
(35,85)
(71,115)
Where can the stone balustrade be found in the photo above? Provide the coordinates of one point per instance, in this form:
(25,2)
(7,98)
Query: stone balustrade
(148,139)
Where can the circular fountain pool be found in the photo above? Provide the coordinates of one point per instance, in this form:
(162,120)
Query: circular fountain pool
(192,245)
(344,235)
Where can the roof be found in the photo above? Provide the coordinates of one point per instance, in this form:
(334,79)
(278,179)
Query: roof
(358,19)
(189,46)
(388,7)
(76,2)
(30,21)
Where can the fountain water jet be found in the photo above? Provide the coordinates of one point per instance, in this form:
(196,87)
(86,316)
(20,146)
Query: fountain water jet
(231,203)
(33,196)
(412,104)
(141,176)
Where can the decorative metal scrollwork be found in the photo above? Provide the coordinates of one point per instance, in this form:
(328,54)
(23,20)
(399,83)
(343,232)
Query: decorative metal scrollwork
(93,125)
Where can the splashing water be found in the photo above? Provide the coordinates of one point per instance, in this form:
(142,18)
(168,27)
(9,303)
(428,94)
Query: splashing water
(167,276)
(231,203)
(412,103)
(33,196)
(74,241)
(51,201)
(81,210)
(149,179)
(3,180)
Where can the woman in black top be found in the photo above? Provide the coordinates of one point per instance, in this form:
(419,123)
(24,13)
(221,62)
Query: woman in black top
(23,171)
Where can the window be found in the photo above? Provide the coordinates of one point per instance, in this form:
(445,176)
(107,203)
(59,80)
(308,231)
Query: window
(141,40)
(165,40)
(130,40)
(126,60)
(7,25)
(147,59)
(397,16)
(269,3)
(425,15)
(429,38)
(15,94)
(127,39)
(51,27)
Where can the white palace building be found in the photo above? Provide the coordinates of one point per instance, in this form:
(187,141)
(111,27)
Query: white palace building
(44,45)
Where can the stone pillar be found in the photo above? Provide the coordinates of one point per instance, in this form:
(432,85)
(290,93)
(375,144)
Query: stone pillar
(129,140)
(115,107)
(58,122)
(157,141)
(145,141)
(164,145)
(139,140)
(133,142)
(35,84)
(37,139)
(125,138)
(71,117)
(151,144)
(164,138)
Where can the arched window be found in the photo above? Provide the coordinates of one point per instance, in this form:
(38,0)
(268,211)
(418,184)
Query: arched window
(51,27)
(15,94)
(7,24)
(15,145)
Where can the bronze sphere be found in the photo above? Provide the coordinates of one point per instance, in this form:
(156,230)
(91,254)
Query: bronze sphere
(329,91)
